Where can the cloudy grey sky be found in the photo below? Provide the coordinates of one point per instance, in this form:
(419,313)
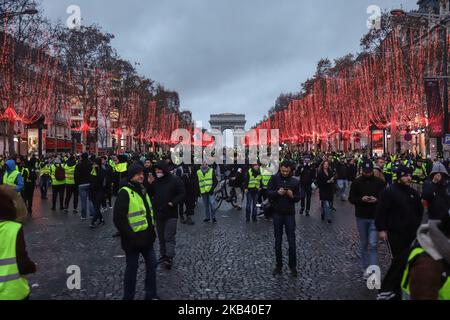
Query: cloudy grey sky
(228,55)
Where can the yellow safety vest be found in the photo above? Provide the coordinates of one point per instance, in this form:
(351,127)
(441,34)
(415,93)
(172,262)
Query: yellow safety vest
(137,213)
(444,292)
(254,182)
(12,285)
(205,181)
(45,170)
(70,174)
(122,167)
(266,175)
(54,181)
(10,179)
(22,172)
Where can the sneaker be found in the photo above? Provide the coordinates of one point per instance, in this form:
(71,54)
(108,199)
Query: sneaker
(294,272)
(301,211)
(307,214)
(111,207)
(92,225)
(277,271)
(214,221)
(207,220)
(333,209)
(66,210)
(83,219)
(75,211)
(101,223)
(239,209)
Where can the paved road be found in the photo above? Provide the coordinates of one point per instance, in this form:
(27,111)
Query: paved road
(230,260)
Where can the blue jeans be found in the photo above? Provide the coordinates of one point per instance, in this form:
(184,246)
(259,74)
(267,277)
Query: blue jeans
(209,203)
(342,187)
(288,223)
(326,209)
(84,198)
(305,197)
(368,237)
(95,206)
(132,260)
(252,198)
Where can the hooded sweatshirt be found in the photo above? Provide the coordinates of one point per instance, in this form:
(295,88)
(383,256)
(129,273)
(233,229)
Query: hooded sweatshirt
(10,167)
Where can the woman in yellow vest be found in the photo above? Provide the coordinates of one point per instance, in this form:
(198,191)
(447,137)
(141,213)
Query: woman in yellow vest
(14,260)
(12,176)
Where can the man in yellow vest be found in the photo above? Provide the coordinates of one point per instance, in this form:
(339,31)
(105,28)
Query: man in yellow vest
(253,187)
(71,187)
(427,273)
(266,175)
(207,182)
(14,260)
(121,172)
(58,176)
(12,176)
(44,178)
(134,220)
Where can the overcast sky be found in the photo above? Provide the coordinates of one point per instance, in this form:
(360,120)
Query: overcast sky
(228,55)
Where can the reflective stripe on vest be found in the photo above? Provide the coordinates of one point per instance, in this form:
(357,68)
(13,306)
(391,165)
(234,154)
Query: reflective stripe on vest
(45,170)
(205,182)
(10,179)
(12,285)
(444,292)
(70,174)
(137,213)
(253,182)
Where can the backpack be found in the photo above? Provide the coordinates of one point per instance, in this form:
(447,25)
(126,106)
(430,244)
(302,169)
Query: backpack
(60,174)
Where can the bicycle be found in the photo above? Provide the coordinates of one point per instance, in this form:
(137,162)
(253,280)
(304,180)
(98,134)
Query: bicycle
(222,194)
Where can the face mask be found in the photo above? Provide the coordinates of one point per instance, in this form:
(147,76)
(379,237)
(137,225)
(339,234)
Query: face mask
(159,175)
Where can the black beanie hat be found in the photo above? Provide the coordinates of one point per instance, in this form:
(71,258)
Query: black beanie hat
(133,170)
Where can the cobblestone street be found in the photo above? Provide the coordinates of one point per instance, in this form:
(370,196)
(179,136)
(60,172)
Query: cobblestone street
(230,260)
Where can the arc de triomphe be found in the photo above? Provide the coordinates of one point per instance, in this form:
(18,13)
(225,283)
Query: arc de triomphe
(226,121)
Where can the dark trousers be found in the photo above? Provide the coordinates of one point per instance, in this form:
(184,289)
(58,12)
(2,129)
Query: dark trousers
(252,198)
(400,245)
(305,198)
(58,191)
(96,205)
(116,183)
(286,222)
(71,189)
(43,184)
(27,195)
(108,196)
(132,260)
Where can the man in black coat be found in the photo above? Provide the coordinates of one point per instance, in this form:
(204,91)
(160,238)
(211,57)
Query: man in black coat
(436,192)
(167,192)
(136,243)
(283,192)
(307,176)
(83,180)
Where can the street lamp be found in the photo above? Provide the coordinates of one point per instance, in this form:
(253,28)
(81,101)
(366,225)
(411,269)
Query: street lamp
(442,21)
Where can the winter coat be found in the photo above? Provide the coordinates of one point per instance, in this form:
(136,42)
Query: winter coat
(283,205)
(362,187)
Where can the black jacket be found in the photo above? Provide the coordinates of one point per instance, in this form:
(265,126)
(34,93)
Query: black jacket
(283,205)
(83,172)
(438,198)
(341,171)
(326,190)
(361,188)
(98,182)
(399,210)
(132,241)
(167,189)
(307,176)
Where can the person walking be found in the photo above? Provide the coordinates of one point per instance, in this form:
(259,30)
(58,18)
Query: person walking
(398,216)
(427,272)
(29,177)
(58,177)
(342,178)
(307,175)
(83,180)
(167,192)
(379,169)
(108,191)
(436,192)
(284,192)
(364,194)
(207,182)
(44,178)
(12,176)
(134,220)
(326,181)
(252,187)
(15,263)
(71,187)
(97,192)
